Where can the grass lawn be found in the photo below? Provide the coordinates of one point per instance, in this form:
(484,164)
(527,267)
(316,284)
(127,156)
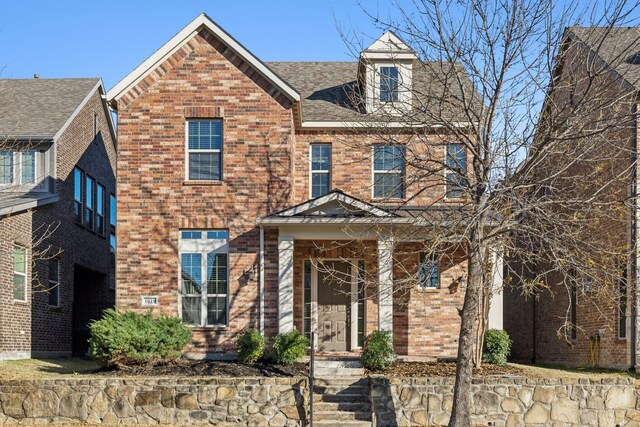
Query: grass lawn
(46,368)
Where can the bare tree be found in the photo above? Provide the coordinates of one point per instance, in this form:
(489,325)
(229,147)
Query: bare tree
(531,131)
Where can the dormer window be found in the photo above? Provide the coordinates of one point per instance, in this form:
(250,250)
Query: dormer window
(388,84)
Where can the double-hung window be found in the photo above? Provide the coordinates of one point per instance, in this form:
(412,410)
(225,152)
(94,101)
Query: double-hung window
(19,273)
(429,271)
(204,277)
(54,282)
(320,169)
(19,167)
(388,84)
(204,150)
(78,200)
(99,209)
(455,170)
(6,167)
(89,209)
(388,171)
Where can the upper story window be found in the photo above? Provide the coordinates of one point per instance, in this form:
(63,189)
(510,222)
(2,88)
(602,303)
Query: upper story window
(204,277)
(99,209)
(78,200)
(20,167)
(112,210)
(320,169)
(19,273)
(204,150)
(89,207)
(388,84)
(455,170)
(429,272)
(388,171)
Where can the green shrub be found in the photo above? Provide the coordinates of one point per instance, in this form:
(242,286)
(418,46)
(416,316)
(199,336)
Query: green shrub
(251,346)
(377,353)
(497,347)
(128,338)
(289,347)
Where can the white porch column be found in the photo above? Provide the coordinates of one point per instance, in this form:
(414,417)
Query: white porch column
(496,307)
(385,283)
(285,284)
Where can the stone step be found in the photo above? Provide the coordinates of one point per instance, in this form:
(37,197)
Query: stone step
(330,423)
(341,416)
(340,398)
(337,364)
(342,406)
(341,389)
(341,381)
(338,372)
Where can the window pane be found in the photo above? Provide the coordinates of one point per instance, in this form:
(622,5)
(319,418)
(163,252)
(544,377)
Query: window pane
(19,259)
(456,157)
(320,157)
(455,184)
(19,288)
(53,270)
(216,273)
(191,265)
(54,294)
(319,184)
(28,166)
(216,310)
(428,273)
(89,193)
(388,185)
(191,310)
(388,84)
(100,199)
(77,184)
(112,242)
(218,235)
(388,158)
(205,134)
(112,210)
(6,167)
(204,166)
(191,235)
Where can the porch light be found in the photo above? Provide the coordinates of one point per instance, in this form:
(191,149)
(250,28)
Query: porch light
(250,274)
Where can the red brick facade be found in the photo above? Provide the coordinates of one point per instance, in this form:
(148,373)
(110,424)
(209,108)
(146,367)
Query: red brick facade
(33,328)
(265,170)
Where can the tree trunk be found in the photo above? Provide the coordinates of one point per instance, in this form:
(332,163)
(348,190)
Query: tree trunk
(461,411)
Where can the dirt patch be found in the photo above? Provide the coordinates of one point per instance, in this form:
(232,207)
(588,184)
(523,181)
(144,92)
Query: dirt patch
(210,368)
(444,369)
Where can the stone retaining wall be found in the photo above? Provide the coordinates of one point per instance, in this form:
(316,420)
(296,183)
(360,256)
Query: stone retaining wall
(219,401)
(511,401)
(508,401)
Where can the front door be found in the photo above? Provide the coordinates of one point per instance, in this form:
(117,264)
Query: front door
(334,300)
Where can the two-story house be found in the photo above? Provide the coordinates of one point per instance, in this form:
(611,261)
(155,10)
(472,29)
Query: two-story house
(584,317)
(261,195)
(57,214)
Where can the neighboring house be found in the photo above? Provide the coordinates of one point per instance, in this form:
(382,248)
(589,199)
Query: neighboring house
(260,195)
(596,84)
(57,214)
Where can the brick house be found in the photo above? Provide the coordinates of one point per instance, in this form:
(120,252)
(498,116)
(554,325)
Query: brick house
(596,81)
(260,195)
(57,185)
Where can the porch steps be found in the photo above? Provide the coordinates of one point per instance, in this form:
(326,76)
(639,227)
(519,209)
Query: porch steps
(338,368)
(342,401)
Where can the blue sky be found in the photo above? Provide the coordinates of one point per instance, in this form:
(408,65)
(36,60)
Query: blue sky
(73,38)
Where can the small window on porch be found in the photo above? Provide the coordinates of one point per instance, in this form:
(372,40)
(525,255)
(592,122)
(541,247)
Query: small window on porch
(429,271)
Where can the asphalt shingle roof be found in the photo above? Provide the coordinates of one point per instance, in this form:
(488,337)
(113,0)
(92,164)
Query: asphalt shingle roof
(619,47)
(38,108)
(329,90)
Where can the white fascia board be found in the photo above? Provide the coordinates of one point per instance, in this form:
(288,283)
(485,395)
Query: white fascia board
(365,125)
(177,41)
(324,220)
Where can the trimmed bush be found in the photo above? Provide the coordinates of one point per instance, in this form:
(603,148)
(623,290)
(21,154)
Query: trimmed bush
(128,338)
(378,353)
(251,346)
(497,347)
(290,347)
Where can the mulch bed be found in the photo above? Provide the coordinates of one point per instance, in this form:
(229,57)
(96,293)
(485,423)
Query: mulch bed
(443,369)
(213,368)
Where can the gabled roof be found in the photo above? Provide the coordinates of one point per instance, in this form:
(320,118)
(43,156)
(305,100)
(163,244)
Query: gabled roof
(177,41)
(40,109)
(389,45)
(619,47)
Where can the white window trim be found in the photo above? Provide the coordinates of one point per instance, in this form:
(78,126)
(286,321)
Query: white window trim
(312,172)
(447,170)
(16,156)
(203,246)
(187,151)
(55,285)
(374,171)
(17,273)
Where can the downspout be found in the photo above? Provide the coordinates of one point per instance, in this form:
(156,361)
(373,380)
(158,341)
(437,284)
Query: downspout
(634,241)
(261,280)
